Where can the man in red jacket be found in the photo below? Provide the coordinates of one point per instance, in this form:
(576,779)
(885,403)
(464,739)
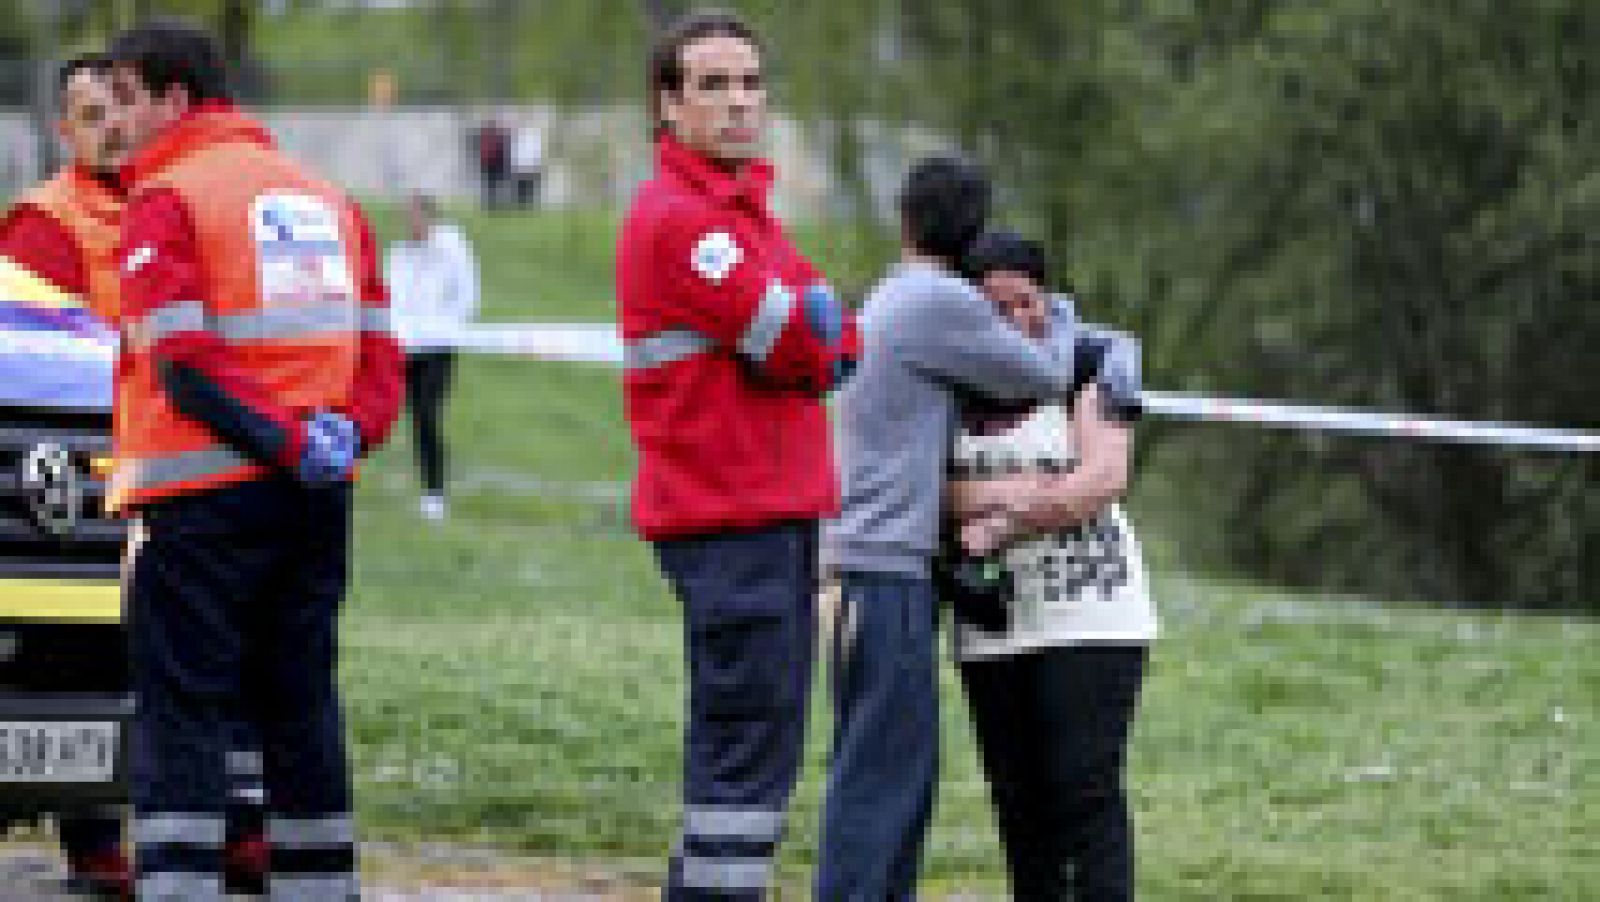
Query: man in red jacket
(732,338)
(257,367)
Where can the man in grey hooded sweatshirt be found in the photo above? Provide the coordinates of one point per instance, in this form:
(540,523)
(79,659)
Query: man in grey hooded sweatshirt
(928,338)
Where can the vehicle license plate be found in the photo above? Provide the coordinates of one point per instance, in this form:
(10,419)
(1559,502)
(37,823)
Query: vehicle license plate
(57,751)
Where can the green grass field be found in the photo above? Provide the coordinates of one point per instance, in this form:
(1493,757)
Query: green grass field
(514,678)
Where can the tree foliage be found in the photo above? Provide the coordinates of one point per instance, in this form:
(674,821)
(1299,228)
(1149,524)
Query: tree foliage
(1354,202)
(1389,205)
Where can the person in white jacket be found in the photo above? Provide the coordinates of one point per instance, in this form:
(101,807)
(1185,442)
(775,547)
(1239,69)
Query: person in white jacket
(433,287)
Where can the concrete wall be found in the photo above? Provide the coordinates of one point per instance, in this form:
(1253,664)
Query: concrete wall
(595,156)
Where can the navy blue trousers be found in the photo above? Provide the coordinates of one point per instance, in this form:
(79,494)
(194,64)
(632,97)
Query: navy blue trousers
(84,835)
(885,763)
(749,603)
(232,615)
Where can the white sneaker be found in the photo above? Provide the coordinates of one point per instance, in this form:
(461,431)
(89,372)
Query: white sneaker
(433,508)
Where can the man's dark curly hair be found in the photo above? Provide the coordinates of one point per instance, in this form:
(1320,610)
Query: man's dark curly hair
(168,52)
(943,208)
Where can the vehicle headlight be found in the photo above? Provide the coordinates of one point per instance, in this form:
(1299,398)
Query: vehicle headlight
(100,466)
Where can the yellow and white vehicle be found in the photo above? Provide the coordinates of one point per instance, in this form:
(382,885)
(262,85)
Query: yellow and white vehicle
(64,701)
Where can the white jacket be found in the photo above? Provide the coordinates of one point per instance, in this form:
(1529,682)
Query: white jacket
(433,287)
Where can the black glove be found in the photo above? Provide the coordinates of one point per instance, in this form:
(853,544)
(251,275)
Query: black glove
(978,589)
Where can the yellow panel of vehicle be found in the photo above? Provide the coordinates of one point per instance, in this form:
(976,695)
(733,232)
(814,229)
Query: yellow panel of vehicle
(97,601)
(18,284)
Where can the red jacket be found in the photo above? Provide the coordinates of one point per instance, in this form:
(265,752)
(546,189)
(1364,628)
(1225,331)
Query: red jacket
(35,237)
(165,266)
(724,376)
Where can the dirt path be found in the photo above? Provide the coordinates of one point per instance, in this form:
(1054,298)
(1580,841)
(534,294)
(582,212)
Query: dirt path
(31,871)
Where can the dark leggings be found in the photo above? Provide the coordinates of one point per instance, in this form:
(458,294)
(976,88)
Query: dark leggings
(427,384)
(1053,734)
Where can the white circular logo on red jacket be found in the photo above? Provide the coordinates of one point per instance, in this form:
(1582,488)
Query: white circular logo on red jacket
(715,255)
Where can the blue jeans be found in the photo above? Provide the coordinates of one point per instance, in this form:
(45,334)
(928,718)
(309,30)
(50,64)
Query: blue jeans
(886,739)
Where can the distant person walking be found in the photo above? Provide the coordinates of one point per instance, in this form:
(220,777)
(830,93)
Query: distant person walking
(527,165)
(433,292)
(491,144)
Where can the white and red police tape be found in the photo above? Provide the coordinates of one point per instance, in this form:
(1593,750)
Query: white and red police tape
(599,343)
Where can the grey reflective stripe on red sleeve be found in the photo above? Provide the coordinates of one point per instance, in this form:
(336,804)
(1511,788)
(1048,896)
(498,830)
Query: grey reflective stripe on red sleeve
(772,316)
(151,472)
(256,325)
(663,348)
(168,319)
(286,322)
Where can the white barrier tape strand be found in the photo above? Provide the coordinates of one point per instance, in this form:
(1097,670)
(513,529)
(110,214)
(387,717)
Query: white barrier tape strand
(1364,422)
(599,343)
(578,342)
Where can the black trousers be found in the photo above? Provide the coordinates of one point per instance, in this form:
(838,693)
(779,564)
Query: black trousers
(527,187)
(84,835)
(1053,732)
(232,614)
(427,384)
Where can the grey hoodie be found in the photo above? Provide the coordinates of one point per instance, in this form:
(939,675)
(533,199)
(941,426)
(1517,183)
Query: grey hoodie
(927,337)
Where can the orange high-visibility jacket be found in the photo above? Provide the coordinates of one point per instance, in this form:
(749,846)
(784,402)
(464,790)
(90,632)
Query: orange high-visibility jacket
(91,213)
(279,288)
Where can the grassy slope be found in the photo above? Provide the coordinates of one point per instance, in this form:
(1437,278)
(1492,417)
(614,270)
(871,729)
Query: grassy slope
(514,677)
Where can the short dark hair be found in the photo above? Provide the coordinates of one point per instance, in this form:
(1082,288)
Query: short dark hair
(90,62)
(666,57)
(1006,251)
(170,52)
(943,207)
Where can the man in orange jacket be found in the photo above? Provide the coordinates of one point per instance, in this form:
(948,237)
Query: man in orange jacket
(257,368)
(65,231)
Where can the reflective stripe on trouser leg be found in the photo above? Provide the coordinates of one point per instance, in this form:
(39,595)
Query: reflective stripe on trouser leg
(294,702)
(748,600)
(179,887)
(180,855)
(313,858)
(727,849)
(247,793)
(191,582)
(245,786)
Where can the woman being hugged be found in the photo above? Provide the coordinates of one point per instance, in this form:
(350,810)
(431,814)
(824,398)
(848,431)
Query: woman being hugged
(1053,616)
